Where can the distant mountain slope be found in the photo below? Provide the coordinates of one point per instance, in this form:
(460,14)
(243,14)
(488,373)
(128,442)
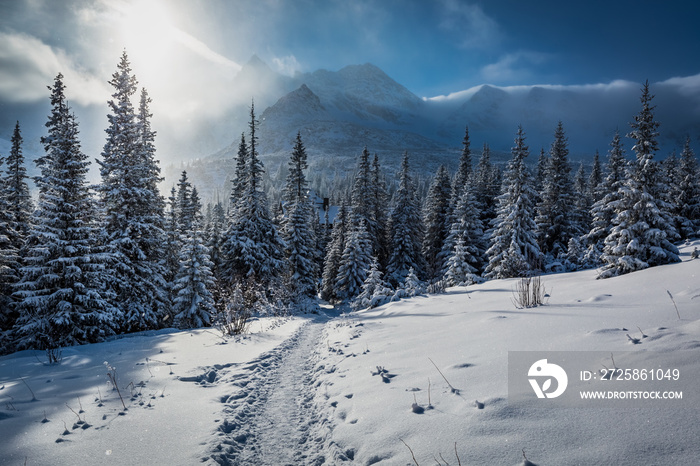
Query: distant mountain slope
(340,112)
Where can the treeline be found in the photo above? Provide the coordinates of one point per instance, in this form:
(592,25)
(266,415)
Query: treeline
(88,262)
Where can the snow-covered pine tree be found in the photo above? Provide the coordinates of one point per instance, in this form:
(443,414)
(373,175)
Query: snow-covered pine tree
(379,202)
(60,297)
(374,290)
(554,210)
(469,229)
(133,207)
(603,210)
(253,247)
(214,238)
(364,202)
(298,228)
(486,186)
(437,219)
(406,229)
(334,254)
(193,303)
(9,259)
(412,286)
(464,171)
(18,197)
(172,240)
(594,180)
(541,172)
(642,231)
(355,262)
(514,251)
(687,193)
(580,218)
(241,174)
(185,208)
(459,272)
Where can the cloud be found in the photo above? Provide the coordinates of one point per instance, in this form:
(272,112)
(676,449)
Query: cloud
(286,65)
(28,65)
(468,22)
(513,66)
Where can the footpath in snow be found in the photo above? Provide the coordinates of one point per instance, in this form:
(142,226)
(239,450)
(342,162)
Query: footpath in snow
(363,388)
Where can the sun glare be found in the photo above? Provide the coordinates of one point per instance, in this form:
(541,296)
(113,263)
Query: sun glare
(148,36)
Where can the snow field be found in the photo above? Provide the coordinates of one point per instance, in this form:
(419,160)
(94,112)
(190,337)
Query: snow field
(468,333)
(318,389)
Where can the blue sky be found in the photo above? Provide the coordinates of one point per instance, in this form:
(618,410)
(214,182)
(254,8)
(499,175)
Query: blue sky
(432,47)
(189,50)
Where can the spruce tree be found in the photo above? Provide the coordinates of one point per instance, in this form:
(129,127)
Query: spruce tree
(687,193)
(379,201)
(594,180)
(133,207)
(9,258)
(298,229)
(334,254)
(603,210)
(464,171)
(374,290)
(514,251)
(406,229)
(554,210)
(437,221)
(253,248)
(486,186)
(467,229)
(354,263)
(193,303)
(18,197)
(60,296)
(459,272)
(642,231)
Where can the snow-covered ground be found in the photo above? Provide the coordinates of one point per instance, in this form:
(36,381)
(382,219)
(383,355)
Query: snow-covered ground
(339,389)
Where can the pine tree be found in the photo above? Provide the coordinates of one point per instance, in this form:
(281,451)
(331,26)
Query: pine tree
(469,230)
(486,186)
(334,254)
(580,216)
(214,238)
(354,263)
(364,202)
(642,229)
(241,175)
(133,207)
(436,218)
(687,193)
(603,210)
(594,180)
(554,225)
(379,201)
(459,272)
(253,247)
(464,171)
(172,240)
(193,303)
(298,230)
(9,259)
(60,295)
(18,197)
(185,213)
(514,251)
(374,290)
(406,229)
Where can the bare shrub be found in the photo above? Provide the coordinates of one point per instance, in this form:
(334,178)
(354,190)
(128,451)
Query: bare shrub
(234,311)
(529,292)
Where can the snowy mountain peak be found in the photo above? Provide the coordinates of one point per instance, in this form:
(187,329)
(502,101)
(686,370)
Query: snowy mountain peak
(298,104)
